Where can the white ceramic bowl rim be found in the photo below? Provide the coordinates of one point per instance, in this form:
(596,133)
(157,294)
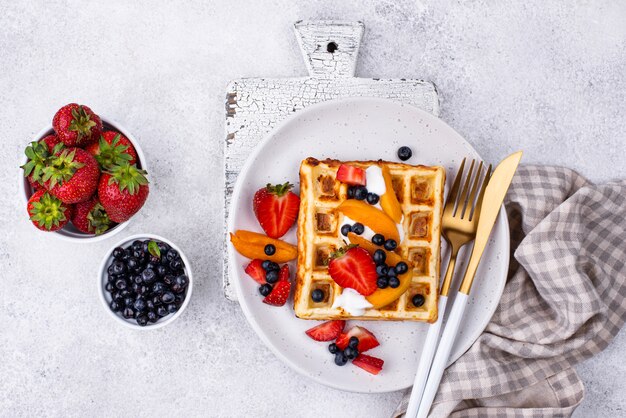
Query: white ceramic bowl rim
(64,234)
(101,280)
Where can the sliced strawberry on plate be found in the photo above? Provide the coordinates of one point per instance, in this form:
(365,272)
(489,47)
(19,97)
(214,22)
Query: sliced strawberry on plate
(367,340)
(353,267)
(370,364)
(276,208)
(352,175)
(283,274)
(256,271)
(327,331)
(279,294)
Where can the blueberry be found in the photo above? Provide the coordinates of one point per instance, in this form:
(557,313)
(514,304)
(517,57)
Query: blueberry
(273,266)
(382,282)
(266,265)
(358,228)
(353,342)
(161,270)
(142,320)
(150,265)
(317,295)
(156,300)
(182,281)
(401,267)
(129,301)
(169,279)
(144,246)
(404,153)
(148,276)
(351,353)
(149,305)
(340,358)
(135,287)
(117,297)
(270,249)
(171,308)
(372,198)
(158,288)
(118,253)
(109,287)
(418,300)
(391,272)
(265,289)
(381,269)
(378,239)
(167,297)
(394,282)
(379,257)
(176,264)
(137,245)
(132,263)
(152,316)
(136,279)
(125,293)
(121,284)
(360,193)
(115,306)
(140,304)
(333,348)
(111,278)
(163,247)
(391,245)
(162,311)
(271,276)
(351,191)
(345,230)
(118,267)
(128,313)
(171,255)
(179,299)
(139,255)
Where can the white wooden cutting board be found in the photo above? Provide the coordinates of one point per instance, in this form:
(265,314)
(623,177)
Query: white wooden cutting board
(255,105)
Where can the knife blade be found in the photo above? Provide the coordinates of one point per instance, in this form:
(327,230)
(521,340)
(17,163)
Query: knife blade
(495,191)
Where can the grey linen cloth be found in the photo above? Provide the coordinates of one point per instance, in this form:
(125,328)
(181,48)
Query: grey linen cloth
(564,301)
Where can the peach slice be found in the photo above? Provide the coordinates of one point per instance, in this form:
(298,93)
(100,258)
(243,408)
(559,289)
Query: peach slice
(389,201)
(252,245)
(370,216)
(383,297)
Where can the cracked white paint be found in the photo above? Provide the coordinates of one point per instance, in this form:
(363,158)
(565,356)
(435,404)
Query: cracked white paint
(255,105)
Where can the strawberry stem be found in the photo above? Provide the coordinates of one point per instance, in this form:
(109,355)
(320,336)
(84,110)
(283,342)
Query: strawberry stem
(61,168)
(48,211)
(99,221)
(128,177)
(113,153)
(81,122)
(279,189)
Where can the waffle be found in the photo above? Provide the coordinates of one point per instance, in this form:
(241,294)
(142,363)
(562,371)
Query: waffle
(420,192)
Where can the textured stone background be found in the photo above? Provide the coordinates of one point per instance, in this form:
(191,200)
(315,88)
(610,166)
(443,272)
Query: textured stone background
(545,76)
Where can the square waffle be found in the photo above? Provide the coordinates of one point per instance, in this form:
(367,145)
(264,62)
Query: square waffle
(419,190)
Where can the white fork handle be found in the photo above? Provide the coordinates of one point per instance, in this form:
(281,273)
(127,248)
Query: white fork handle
(443,354)
(426,359)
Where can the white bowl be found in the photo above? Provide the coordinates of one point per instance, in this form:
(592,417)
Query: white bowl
(106,299)
(69,232)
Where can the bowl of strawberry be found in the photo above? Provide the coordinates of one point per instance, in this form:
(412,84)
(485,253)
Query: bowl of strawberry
(145,282)
(84,177)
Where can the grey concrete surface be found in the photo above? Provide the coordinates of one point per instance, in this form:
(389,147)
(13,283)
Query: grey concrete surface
(548,77)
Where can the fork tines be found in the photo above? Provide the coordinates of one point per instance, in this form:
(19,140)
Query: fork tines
(463,202)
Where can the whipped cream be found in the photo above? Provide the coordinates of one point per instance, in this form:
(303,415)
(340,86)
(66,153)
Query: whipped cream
(375,180)
(368,233)
(352,302)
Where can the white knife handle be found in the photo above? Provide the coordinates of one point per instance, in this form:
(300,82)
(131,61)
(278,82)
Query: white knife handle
(426,359)
(443,354)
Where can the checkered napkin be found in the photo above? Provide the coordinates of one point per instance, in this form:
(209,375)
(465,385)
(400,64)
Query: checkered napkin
(564,301)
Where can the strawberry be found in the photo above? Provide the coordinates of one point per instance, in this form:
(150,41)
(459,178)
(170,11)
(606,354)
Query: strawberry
(353,267)
(47,212)
(122,191)
(276,208)
(71,175)
(76,125)
(256,271)
(112,149)
(352,175)
(89,217)
(283,274)
(367,340)
(327,331)
(279,294)
(370,364)
(38,153)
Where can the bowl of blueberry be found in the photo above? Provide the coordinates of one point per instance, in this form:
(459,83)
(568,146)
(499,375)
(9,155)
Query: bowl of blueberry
(145,282)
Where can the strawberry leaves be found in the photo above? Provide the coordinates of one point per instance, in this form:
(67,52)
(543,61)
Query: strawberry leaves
(112,154)
(128,177)
(61,168)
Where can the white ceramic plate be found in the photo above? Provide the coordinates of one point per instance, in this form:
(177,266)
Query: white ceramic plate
(358,129)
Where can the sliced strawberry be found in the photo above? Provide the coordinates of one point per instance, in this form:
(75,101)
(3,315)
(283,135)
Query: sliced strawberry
(327,331)
(367,340)
(280,294)
(353,267)
(276,208)
(256,271)
(370,364)
(352,175)
(283,274)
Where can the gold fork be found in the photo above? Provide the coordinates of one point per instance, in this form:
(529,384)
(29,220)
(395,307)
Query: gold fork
(458,227)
